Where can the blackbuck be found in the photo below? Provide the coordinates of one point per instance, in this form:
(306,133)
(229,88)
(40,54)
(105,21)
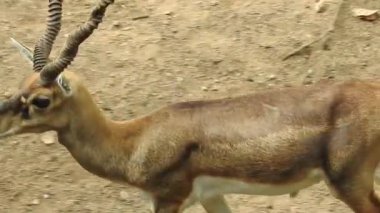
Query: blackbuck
(268,143)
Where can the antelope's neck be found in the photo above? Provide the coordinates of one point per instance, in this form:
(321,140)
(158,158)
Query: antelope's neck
(100,145)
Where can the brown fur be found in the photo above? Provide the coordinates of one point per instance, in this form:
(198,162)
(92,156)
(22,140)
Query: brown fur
(272,137)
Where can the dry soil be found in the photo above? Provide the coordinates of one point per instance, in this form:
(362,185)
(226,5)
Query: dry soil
(150,53)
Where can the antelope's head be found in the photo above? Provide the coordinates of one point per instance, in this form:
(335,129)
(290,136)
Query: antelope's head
(44,98)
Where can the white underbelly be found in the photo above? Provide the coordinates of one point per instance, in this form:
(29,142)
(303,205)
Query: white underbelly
(206,186)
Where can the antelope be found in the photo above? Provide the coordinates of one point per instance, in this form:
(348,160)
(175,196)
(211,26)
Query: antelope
(270,142)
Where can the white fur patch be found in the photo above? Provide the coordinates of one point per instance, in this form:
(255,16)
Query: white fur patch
(205,187)
(63,85)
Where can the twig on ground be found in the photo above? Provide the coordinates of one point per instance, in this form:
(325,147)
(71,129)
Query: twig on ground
(307,48)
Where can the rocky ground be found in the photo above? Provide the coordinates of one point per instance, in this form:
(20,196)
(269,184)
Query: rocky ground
(150,53)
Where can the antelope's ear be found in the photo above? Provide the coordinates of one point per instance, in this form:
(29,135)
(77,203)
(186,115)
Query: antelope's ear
(25,51)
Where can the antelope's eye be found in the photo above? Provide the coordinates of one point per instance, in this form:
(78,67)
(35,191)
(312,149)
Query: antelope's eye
(41,102)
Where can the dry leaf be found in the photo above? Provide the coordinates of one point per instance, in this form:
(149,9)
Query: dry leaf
(366,14)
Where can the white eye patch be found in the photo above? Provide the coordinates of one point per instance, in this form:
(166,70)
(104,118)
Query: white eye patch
(64,85)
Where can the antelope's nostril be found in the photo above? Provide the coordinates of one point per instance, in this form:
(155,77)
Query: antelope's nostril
(25,113)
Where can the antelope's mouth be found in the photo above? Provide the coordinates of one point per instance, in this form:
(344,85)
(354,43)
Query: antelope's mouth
(8,117)
(5,125)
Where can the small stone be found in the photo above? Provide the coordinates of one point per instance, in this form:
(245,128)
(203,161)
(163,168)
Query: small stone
(214,3)
(269,206)
(116,25)
(46,196)
(250,79)
(214,89)
(217,61)
(34,202)
(124,195)
(204,88)
(321,6)
(90,207)
(107,108)
(48,138)
(7,94)
(272,77)
(366,14)
(119,64)
(309,73)
(168,13)
(308,82)
(52,159)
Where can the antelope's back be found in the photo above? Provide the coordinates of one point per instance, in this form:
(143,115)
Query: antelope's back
(276,135)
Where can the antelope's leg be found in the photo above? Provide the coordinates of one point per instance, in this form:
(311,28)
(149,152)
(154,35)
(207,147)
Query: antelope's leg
(359,198)
(355,186)
(215,204)
(350,162)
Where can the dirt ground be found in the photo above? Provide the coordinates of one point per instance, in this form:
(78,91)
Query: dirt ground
(150,53)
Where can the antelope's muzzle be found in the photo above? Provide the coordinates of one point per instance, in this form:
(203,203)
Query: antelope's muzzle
(8,113)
